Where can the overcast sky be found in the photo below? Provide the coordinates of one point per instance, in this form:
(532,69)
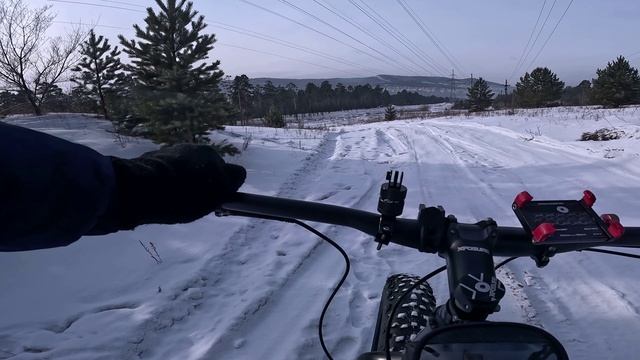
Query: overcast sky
(483,38)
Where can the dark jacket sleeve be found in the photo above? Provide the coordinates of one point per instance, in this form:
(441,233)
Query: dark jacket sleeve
(51,191)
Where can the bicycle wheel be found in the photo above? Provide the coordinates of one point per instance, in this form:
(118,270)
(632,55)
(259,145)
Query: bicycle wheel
(414,314)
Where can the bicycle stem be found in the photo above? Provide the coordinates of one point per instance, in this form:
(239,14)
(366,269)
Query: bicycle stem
(474,289)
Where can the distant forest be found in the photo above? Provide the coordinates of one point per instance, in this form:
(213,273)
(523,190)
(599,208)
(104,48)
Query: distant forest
(247,101)
(252,101)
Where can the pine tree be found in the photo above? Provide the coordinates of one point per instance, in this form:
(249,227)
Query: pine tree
(390,113)
(584,92)
(9,102)
(80,101)
(617,84)
(540,88)
(56,100)
(100,70)
(274,118)
(241,91)
(179,93)
(577,95)
(479,95)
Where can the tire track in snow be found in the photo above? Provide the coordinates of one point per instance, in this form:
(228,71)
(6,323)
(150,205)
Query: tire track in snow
(345,332)
(351,320)
(214,283)
(517,288)
(462,171)
(402,138)
(573,154)
(542,299)
(467,160)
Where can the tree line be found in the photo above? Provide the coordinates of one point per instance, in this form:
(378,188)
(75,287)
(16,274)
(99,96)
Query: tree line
(617,84)
(253,101)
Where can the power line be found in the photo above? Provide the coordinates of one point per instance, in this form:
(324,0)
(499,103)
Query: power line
(446,50)
(298,47)
(312,29)
(90,25)
(244,31)
(423,55)
(429,35)
(391,61)
(278,41)
(218,43)
(539,32)
(97,5)
(123,3)
(634,55)
(280,56)
(353,23)
(229,28)
(528,41)
(396,36)
(551,34)
(365,31)
(286,43)
(404,39)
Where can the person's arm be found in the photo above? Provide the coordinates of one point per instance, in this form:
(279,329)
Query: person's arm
(53,191)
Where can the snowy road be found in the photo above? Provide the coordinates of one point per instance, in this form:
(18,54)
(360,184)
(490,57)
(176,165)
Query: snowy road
(257,290)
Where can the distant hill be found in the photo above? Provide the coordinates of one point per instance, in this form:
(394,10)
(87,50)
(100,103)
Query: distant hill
(425,85)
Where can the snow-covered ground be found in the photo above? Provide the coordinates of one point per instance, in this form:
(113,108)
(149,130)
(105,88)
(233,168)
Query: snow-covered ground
(234,288)
(358,116)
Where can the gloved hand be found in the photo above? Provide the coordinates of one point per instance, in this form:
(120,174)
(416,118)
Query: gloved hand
(176,184)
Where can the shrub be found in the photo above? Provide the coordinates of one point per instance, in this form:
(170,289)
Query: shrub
(224,148)
(390,113)
(603,134)
(274,118)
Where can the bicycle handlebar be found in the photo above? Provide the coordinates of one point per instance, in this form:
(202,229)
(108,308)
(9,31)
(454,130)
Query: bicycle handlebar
(511,241)
(303,210)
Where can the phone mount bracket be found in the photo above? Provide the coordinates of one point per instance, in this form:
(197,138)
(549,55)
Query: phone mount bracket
(552,222)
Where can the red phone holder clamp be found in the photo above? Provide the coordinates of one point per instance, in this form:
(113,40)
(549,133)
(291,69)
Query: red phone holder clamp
(614,228)
(521,200)
(542,232)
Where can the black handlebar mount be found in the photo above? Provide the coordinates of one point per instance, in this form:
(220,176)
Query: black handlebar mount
(474,288)
(432,223)
(475,291)
(390,206)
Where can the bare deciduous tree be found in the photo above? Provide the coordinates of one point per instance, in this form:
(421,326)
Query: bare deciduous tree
(31,63)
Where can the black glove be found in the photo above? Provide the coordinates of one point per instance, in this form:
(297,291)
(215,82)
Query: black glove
(177,184)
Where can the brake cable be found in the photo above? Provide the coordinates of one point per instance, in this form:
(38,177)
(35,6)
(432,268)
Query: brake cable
(322,236)
(504,262)
(337,288)
(611,252)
